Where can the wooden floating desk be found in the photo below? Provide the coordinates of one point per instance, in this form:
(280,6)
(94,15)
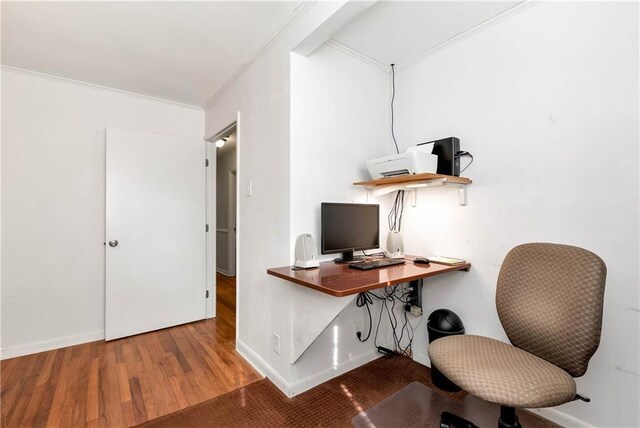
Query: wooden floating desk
(339,280)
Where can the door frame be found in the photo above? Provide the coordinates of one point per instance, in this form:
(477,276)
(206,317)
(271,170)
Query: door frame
(231,221)
(212,221)
(210,198)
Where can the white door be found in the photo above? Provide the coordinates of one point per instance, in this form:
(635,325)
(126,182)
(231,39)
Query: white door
(155,250)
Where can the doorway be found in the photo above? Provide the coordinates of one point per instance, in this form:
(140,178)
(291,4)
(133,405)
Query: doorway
(226,228)
(226,159)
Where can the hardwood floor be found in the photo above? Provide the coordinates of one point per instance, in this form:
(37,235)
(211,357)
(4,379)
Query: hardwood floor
(127,381)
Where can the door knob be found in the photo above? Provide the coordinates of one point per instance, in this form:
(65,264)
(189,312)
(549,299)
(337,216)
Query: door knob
(113,243)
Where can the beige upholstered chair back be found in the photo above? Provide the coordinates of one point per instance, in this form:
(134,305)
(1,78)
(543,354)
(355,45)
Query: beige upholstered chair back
(549,299)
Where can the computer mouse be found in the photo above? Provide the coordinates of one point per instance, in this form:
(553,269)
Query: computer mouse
(421,261)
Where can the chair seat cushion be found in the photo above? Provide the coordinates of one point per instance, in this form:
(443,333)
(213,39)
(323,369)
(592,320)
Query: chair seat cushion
(501,373)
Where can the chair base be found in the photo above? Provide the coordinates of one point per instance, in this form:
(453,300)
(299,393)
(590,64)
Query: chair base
(449,419)
(508,419)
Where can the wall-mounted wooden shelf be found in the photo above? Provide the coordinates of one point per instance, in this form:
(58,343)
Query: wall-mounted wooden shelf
(412,182)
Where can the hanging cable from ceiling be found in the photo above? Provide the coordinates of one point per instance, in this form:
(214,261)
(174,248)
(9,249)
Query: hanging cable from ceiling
(393,97)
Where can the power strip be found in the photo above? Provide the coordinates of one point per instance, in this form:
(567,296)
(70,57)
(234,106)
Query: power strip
(414,298)
(386,351)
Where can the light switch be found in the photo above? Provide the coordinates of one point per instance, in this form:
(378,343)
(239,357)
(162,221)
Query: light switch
(249,188)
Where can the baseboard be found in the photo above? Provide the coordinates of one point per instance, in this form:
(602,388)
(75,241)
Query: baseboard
(222,271)
(48,345)
(556,416)
(302,385)
(262,367)
(316,379)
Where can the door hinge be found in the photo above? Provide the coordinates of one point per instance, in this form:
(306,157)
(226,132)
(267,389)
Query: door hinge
(206,163)
(206,227)
(207,295)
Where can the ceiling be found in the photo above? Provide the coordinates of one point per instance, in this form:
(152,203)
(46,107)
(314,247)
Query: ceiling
(179,51)
(398,31)
(187,51)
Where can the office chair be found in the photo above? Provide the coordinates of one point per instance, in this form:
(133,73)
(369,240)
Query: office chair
(549,299)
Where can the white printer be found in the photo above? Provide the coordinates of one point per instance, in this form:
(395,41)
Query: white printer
(416,160)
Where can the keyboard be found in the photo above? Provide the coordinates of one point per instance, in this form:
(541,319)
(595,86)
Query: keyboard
(375,264)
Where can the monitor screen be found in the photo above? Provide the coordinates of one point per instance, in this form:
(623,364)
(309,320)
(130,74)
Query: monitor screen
(349,227)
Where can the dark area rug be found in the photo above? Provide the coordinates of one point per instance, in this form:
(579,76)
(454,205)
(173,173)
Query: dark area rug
(336,402)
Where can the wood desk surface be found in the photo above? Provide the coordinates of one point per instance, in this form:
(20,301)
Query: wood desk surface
(339,280)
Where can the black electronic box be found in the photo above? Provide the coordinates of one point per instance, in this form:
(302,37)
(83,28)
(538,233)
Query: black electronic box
(447,151)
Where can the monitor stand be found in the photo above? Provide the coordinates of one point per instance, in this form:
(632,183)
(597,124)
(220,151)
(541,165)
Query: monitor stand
(347,257)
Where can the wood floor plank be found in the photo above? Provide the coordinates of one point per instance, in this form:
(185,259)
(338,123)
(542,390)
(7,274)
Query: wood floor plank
(44,407)
(128,414)
(110,409)
(57,405)
(154,404)
(179,393)
(7,370)
(123,383)
(127,381)
(93,393)
(137,401)
(27,380)
(75,409)
(9,399)
(45,372)
(31,413)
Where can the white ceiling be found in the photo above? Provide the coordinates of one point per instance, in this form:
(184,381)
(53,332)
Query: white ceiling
(395,32)
(180,51)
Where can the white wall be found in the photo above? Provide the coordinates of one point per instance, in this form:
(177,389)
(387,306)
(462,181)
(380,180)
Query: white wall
(538,102)
(339,119)
(225,163)
(259,99)
(53,202)
(547,101)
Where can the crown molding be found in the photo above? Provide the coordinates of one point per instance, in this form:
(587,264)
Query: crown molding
(297,13)
(470,32)
(358,55)
(54,77)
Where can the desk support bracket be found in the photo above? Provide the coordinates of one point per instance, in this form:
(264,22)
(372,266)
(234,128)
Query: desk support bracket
(377,191)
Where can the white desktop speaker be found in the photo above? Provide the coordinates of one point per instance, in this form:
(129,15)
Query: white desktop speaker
(395,247)
(306,252)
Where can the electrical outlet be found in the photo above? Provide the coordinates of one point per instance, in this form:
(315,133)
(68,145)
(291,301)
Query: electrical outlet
(357,327)
(276,343)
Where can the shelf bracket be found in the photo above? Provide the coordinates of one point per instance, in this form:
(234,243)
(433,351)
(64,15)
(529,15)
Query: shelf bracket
(462,195)
(426,183)
(378,191)
(413,197)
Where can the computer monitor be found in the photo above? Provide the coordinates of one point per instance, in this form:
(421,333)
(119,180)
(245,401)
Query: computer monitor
(346,228)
